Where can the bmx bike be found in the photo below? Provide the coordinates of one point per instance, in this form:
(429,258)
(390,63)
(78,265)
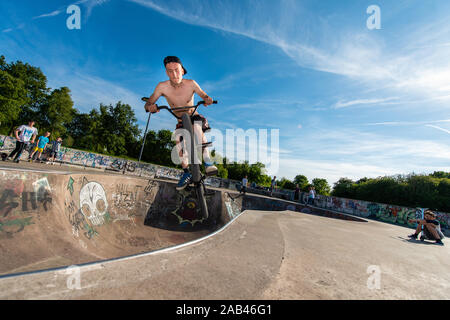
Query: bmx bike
(198,179)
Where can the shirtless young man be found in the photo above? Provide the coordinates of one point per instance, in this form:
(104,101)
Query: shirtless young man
(432,227)
(180,92)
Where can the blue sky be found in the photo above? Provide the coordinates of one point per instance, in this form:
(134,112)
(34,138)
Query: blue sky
(348,101)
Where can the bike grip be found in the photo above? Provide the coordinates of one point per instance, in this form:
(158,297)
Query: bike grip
(203,102)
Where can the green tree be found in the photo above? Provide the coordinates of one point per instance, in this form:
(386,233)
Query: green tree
(56,113)
(82,129)
(440,174)
(12,96)
(222,172)
(264,180)
(343,188)
(322,187)
(285,183)
(158,148)
(35,89)
(256,170)
(117,130)
(302,182)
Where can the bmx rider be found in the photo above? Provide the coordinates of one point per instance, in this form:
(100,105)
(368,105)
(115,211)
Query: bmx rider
(180,92)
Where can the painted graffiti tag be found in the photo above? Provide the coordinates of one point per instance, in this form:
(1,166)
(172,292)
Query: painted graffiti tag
(93,203)
(125,196)
(70,186)
(16,204)
(150,188)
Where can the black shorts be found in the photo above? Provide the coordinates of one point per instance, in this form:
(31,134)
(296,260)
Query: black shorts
(197,117)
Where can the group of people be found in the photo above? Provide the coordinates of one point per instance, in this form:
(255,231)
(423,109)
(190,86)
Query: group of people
(25,135)
(243,190)
(311,194)
(273,185)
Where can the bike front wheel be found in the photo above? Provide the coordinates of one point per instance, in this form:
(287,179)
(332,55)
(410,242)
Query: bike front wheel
(194,166)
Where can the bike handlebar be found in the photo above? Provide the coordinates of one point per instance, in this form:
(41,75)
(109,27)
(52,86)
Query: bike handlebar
(178,108)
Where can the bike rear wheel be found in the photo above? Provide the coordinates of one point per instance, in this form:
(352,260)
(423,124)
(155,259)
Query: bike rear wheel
(200,189)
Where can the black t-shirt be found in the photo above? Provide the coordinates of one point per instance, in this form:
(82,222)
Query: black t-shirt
(435,222)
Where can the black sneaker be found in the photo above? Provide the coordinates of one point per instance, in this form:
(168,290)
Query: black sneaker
(413,236)
(439,241)
(17,161)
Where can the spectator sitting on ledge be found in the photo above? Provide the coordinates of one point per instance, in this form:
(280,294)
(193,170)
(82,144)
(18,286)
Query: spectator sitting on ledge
(431,228)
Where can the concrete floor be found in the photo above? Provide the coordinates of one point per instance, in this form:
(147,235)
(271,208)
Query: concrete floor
(263,255)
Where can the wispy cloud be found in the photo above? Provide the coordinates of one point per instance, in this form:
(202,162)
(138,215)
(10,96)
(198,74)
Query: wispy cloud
(424,67)
(90,5)
(355,154)
(20,26)
(51,14)
(344,104)
(439,128)
(406,123)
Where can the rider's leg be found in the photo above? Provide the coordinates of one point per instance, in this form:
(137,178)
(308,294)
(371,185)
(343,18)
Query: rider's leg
(183,155)
(201,138)
(186,176)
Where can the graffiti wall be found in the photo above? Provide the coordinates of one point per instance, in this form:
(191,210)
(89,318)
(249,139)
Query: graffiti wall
(23,198)
(91,205)
(381,212)
(70,156)
(377,211)
(180,210)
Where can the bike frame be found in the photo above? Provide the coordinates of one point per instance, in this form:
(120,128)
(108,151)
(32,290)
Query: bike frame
(197,177)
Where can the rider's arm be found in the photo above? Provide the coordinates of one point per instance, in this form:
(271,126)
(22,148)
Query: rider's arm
(150,105)
(202,93)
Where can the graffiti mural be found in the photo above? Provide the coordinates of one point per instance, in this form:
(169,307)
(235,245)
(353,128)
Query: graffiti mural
(126,196)
(213,182)
(89,159)
(70,185)
(41,196)
(22,197)
(93,203)
(87,209)
(168,173)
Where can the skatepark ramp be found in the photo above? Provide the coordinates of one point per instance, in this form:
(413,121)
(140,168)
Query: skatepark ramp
(50,220)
